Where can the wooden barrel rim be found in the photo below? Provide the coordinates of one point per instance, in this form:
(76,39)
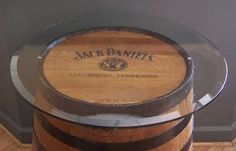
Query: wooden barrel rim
(164,102)
(146,144)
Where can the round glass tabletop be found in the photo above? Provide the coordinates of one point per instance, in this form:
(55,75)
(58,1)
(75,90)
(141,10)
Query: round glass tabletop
(200,81)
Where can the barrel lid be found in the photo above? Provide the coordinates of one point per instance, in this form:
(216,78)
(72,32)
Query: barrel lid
(119,74)
(113,66)
(116,70)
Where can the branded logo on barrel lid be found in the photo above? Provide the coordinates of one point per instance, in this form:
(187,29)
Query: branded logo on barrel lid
(113,64)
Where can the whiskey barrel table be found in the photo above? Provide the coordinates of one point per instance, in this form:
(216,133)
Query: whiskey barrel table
(124,84)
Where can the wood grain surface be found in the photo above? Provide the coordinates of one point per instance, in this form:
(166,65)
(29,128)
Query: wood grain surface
(9,143)
(88,136)
(153,67)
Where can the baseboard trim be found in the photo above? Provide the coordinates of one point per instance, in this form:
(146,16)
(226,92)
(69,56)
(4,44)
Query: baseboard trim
(213,133)
(23,134)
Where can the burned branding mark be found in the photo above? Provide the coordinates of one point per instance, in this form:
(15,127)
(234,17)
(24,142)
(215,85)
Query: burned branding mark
(113,64)
(115,53)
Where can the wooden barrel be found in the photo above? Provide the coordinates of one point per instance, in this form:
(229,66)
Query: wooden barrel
(114,70)
(52,134)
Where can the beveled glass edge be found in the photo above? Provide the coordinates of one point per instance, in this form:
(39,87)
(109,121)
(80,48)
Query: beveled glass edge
(16,80)
(208,98)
